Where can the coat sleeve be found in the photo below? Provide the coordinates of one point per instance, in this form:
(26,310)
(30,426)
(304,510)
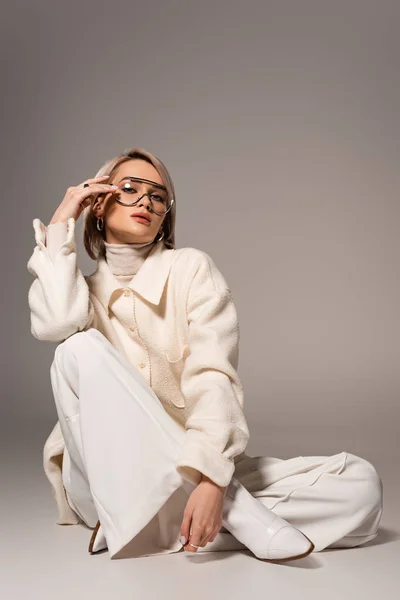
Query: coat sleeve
(58,297)
(216,428)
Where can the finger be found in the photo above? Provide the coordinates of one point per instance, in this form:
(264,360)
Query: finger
(206,539)
(100,178)
(212,538)
(94,189)
(185,526)
(87,198)
(196,539)
(96,186)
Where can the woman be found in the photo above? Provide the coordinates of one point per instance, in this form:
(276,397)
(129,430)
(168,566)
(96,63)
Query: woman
(149,446)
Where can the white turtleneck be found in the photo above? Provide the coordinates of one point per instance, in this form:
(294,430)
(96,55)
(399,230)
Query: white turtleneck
(125,260)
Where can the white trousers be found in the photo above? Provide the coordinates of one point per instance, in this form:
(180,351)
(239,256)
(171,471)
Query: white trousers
(121,448)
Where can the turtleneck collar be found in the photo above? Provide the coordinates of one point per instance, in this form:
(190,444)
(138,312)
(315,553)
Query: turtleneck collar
(126,259)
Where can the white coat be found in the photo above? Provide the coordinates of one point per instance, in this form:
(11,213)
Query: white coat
(176,321)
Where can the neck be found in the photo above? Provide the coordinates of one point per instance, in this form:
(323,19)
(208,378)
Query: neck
(126,259)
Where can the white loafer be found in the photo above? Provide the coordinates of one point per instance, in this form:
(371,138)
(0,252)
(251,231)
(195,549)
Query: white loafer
(265,533)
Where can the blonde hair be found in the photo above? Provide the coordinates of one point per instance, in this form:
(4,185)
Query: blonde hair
(93,239)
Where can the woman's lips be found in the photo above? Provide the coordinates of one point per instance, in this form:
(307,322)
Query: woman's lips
(141,220)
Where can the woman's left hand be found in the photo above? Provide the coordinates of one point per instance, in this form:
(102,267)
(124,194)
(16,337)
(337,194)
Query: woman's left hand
(202,517)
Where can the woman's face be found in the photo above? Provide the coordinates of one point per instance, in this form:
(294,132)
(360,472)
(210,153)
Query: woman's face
(120,226)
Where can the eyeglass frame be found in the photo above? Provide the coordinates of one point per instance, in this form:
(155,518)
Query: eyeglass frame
(147,194)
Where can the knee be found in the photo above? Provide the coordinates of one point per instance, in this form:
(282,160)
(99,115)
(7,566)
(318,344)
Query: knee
(368,487)
(74,343)
(67,352)
(82,348)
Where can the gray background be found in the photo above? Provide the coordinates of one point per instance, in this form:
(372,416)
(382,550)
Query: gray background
(279,122)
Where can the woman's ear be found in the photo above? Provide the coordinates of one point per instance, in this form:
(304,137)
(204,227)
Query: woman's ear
(98,205)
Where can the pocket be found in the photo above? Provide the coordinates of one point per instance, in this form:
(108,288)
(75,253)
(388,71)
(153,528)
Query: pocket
(176,364)
(177,356)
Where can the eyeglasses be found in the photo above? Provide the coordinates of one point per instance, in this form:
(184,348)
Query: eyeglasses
(134,190)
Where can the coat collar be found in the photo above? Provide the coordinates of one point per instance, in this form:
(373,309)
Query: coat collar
(148,282)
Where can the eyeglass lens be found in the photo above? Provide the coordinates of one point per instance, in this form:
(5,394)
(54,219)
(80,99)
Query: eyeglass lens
(132,191)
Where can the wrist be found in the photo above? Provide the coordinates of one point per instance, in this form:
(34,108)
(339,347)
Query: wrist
(207,479)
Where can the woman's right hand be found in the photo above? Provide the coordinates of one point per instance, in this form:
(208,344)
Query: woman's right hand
(78,197)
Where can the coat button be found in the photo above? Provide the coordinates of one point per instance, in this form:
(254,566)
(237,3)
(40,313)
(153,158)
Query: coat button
(131,329)
(127,292)
(142,365)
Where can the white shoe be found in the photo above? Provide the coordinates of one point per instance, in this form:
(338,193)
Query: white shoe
(266,534)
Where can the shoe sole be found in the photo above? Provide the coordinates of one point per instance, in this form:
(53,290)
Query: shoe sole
(288,558)
(92,539)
